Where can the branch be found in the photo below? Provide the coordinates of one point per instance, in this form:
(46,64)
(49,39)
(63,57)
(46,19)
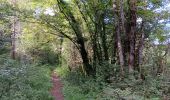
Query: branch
(61,32)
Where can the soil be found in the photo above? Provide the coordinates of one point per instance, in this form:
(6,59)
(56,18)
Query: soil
(57,87)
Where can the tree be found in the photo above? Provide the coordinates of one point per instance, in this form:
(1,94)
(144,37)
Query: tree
(79,35)
(13,36)
(132,33)
(94,20)
(119,20)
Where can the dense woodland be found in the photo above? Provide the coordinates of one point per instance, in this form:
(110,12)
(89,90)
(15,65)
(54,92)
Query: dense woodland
(100,49)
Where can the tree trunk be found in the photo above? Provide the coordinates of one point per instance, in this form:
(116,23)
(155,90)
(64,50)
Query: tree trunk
(118,35)
(139,55)
(113,61)
(13,36)
(79,35)
(120,50)
(104,39)
(122,17)
(88,68)
(133,17)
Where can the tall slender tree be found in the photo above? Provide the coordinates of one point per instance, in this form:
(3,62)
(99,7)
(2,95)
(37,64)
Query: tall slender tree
(13,36)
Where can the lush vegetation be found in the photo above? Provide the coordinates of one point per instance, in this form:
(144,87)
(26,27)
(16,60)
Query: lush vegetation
(101,49)
(24,81)
(77,86)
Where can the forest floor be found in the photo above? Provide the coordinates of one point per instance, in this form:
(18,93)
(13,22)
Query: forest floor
(57,87)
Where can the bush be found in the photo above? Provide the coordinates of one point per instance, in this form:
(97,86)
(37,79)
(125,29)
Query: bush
(44,55)
(106,72)
(77,86)
(24,82)
(80,87)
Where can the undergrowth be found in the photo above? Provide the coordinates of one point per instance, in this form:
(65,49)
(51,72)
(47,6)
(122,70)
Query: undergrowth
(24,81)
(80,87)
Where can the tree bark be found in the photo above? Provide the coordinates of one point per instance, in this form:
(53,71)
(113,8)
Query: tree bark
(133,17)
(88,68)
(79,36)
(119,30)
(13,36)
(120,50)
(139,55)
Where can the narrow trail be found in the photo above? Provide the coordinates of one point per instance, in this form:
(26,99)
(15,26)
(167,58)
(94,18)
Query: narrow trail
(57,87)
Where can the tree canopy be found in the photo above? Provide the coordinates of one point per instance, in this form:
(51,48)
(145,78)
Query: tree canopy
(101,42)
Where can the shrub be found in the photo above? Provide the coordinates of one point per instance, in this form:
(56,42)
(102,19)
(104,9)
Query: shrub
(80,87)
(77,86)
(24,82)
(44,55)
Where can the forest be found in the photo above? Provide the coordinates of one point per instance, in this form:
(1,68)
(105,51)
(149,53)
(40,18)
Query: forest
(84,50)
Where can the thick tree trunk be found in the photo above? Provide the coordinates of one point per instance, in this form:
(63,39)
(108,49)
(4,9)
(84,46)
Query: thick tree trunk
(124,29)
(119,29)
(120,50)
(88,68)
(122,17)
(113,61)
(139,51)
(80,40)
(140,47)
(133,17)
(79,36)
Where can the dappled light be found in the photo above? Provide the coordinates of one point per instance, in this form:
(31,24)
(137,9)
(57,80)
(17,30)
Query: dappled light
(84,50)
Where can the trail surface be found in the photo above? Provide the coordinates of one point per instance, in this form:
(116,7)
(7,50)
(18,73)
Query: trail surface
(57,87)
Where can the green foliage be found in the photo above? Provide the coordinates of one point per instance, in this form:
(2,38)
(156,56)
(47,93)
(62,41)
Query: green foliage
(44,54)
(105,71)
(42,47)
(62,71)
(80,87)
(131,89)
(4,50)
(24,82)
(76,19)
(77,86)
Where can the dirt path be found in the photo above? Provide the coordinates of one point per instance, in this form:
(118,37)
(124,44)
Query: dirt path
(57,87)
